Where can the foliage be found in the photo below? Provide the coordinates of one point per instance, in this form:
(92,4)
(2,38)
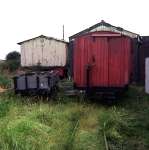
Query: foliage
(11,63)
(5,82)
(13,56)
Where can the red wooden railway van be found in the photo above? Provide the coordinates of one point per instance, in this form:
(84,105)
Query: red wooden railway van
(102,60)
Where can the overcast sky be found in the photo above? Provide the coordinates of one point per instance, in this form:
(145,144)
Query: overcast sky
(23,19)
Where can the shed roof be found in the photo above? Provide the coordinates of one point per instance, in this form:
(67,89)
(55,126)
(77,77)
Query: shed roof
(104,26)
(42,36)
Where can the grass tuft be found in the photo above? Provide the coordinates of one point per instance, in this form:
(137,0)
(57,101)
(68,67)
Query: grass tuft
(5,82)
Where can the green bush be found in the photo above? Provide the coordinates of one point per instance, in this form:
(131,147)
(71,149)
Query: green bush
(13,56)
(5,82)
(12,65)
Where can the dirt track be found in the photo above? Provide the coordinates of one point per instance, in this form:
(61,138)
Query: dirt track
(2,90)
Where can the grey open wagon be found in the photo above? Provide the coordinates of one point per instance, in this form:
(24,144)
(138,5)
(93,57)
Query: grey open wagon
(36,83)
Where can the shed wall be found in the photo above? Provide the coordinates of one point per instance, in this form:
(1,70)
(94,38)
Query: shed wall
(108,58)
(46,52)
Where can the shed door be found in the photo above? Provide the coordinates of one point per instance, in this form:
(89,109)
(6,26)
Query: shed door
(116,61)
(107,59)
(119,58)
(91,52)
(98,59)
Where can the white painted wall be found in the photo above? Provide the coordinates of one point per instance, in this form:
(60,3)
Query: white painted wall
(147,75)
(47,52)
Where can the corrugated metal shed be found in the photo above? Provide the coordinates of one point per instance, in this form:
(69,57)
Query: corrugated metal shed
(44,51)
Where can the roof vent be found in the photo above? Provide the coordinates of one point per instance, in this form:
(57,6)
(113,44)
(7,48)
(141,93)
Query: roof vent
(102,21)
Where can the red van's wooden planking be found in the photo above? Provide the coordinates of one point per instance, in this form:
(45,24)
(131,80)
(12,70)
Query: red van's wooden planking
(107,55)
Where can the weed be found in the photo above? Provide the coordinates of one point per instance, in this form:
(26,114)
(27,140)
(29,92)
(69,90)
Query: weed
(4,108)
(5,82)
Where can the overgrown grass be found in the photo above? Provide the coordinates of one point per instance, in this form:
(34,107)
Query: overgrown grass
(30,124)
(5,82)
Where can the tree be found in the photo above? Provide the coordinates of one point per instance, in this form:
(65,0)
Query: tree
(13,61)
(13,56)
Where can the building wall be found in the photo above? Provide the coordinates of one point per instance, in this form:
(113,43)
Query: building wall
(46,52)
